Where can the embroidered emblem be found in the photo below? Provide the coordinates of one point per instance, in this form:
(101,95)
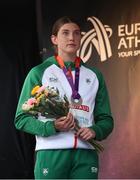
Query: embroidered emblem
(45,171)
(88,81)
(94,169)
(52,79)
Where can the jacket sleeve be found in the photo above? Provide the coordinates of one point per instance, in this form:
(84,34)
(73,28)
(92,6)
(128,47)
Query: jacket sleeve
(104,122)
(26,122)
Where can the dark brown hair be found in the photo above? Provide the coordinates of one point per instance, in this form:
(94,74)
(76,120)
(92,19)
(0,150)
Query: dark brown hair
(60,22)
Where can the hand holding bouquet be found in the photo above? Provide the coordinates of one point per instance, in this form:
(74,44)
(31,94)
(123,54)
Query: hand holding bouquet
(47,102)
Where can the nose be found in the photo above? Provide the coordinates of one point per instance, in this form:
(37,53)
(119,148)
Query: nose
(71,36)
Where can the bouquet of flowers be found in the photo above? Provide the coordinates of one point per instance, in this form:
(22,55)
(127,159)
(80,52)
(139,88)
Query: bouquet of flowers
(47,102)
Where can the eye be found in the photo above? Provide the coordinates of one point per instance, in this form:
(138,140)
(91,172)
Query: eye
(77,33)
(65,33)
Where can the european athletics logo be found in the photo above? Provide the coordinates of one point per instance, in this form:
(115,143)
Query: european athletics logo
(98,38)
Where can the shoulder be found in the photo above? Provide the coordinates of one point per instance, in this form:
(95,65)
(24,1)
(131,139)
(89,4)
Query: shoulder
(40,68)
(94,70)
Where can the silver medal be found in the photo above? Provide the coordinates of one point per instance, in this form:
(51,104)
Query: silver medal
(76,101)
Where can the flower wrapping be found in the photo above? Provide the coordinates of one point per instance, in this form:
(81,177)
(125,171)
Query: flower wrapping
(47,102)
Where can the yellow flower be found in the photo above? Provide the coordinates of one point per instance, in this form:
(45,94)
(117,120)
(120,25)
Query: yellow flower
(46,92)
(39,97)
(34,90)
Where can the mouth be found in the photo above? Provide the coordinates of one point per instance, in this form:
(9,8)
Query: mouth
(71,45)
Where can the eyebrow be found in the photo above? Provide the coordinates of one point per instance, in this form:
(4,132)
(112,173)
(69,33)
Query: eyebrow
(69,30)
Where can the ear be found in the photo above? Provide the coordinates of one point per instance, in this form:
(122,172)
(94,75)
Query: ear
(54,39)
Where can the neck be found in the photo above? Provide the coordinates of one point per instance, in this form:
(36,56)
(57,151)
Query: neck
(67,57)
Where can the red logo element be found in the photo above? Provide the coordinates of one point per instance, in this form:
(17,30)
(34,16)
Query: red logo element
(80,107)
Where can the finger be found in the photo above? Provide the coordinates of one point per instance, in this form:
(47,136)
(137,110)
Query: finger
(70,118)
(84,132)
(86,137)
(69,115)
(61,118)
(79,131)
(69,124)
(72,125)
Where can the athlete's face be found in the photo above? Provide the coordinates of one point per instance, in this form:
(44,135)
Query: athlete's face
(68,38)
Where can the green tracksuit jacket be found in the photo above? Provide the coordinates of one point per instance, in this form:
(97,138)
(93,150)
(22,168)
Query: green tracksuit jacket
(94,112)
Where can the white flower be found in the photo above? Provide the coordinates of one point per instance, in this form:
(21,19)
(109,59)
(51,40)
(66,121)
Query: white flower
(27,107)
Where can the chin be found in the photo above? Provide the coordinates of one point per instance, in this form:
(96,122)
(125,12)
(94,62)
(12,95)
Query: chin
(73,51)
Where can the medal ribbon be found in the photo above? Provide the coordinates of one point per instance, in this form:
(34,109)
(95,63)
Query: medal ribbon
(68,74)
